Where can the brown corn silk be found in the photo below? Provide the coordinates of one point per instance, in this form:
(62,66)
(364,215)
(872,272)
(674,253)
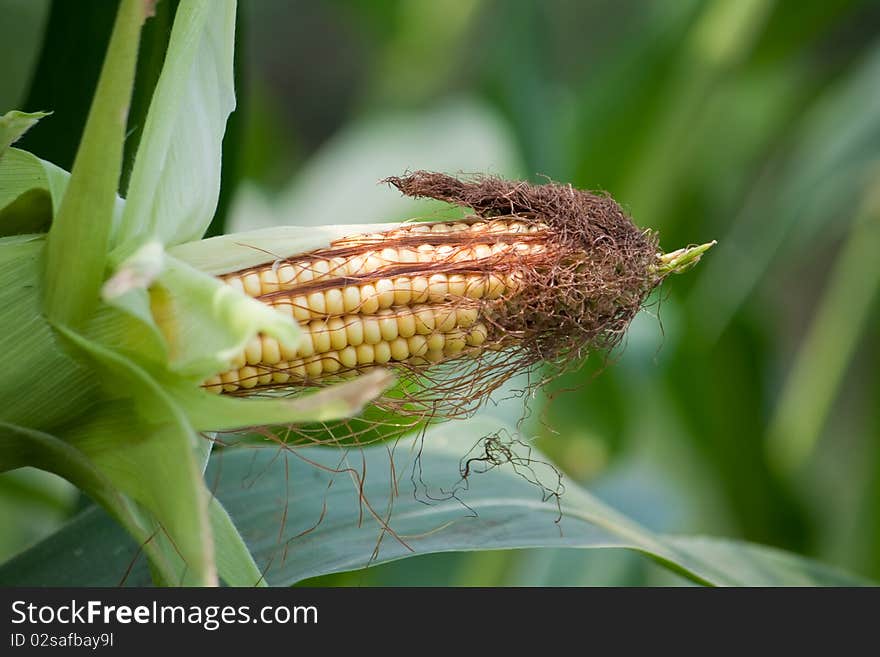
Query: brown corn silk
(534,280)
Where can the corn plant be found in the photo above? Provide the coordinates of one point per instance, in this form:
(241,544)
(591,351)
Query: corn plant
(131,341)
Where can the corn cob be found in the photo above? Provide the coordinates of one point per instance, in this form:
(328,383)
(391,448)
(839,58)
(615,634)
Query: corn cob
(362,303)
(540,274)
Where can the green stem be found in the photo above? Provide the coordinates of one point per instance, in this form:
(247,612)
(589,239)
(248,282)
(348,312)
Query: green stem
(80,232)
(676,262)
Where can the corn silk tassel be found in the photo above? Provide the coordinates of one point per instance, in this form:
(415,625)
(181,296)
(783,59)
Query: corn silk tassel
(538,277)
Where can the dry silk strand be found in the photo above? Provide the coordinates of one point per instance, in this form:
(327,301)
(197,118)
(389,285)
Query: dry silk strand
(539,274)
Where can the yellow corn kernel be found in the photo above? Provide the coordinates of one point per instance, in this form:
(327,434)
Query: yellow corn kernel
(304,273)
(348,357)
(435,342)
(387,325)
(494,286)
(354,330)
(253,351)
(457,285)
(286,276)
(214,383)
(455,343)
(356,311)
(314,368)
(338,267)
(399,349)
(434,355)
(475,288)
(230,380)
(424,319)
(320,269)
(265,376)
(369,299)
(366,354)
(251,284)
(444,318)
(477,335)
(372,332)
(438,288)
(334,302)
(444,252)
(372,263)
(297,371)
(268,280)
(418,345)
(320,336)
(316,304)
(338,334)
(482,251)
(382,352)
(330,362)
(271,350)
(281,374)
(301,309)
(384,292)
(406,324)
(407,256)
(419,289)
(283,306)
(351,299)
(248,376)
(466,316)
(402,291)
(357,265)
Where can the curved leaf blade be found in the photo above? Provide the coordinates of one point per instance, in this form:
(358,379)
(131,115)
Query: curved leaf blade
(175,182)
(140,438)
(14,124)
(80,232)
(325,530)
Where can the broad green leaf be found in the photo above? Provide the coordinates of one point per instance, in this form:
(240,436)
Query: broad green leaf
(31,190)
(43,386)
(14,124)
(90,548)
(80,232)
(739,563)
(175,182)
(33,504)
(20,446)
(329,523)
(235,565)
(329,528)
(128,327)
(72,559)
(140,438)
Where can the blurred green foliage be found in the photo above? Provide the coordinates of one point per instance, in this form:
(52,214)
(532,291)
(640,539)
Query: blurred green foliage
(753,122)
